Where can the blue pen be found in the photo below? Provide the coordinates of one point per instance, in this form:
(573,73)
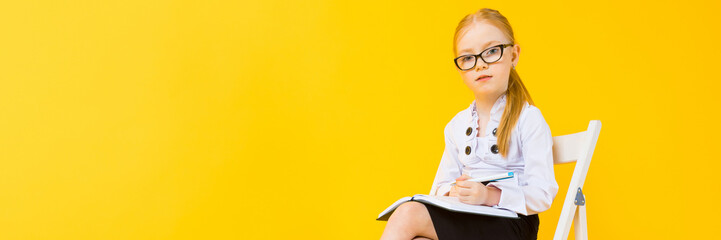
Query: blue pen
(490,178)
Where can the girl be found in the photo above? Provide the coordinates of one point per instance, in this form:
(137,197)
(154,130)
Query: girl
(500,131)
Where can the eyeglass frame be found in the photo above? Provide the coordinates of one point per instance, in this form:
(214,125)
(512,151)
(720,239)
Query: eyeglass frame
(477,56)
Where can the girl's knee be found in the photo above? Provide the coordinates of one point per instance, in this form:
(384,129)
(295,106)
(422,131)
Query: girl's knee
(410,208)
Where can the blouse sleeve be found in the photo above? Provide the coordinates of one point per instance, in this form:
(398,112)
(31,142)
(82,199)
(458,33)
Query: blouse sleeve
(540,185)
(449,169)
(538,188)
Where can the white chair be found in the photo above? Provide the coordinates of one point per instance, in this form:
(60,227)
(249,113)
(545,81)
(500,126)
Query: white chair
(577,147)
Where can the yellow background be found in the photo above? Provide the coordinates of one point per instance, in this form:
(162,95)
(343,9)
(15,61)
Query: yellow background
(279,119)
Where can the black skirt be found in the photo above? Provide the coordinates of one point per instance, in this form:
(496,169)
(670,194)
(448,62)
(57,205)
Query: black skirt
(451,225)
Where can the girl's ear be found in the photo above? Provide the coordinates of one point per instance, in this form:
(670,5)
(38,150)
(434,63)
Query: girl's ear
(515,55)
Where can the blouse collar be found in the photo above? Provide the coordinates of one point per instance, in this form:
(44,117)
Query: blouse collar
(497,108)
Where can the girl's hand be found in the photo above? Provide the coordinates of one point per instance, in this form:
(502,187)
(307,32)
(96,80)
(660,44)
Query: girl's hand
(455,188)
(471,192)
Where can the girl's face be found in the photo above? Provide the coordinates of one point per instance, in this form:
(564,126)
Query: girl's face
(481,36)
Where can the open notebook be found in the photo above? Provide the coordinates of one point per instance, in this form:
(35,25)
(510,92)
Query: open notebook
(451,204)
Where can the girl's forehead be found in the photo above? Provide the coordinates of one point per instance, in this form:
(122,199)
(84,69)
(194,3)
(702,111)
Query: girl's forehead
(480,36)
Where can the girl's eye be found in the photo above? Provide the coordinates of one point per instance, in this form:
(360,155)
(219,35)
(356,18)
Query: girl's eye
(491,52)
(467,58)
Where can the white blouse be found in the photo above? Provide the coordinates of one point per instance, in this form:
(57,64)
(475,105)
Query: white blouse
(530,157)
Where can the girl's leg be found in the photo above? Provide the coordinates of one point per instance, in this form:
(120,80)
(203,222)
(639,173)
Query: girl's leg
(409,220)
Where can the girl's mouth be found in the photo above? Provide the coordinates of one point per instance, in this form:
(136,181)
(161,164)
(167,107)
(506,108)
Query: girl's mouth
(483,78)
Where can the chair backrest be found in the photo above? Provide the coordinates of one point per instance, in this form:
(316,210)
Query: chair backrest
(576,147)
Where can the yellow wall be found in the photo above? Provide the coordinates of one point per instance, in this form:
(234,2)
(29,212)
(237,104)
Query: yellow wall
(276,119)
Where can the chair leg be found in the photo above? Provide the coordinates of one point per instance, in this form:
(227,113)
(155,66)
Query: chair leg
(579,223)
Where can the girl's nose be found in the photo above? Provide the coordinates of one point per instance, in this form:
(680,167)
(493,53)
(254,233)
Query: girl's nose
(480,65)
